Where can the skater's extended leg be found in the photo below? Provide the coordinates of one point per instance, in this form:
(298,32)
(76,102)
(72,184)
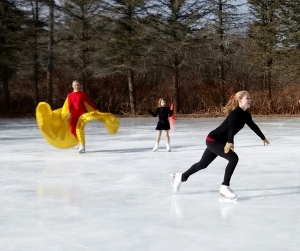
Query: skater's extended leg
(176,178)
(214,149)
(207,157)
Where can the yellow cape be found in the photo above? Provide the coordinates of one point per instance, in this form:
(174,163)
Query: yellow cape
(55,127)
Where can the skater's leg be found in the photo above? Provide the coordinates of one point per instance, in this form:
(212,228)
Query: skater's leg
(176,178)
(155,148)
(233,160)
(73,123)
(81,138)
(167,136)
(158,136)
(214,149)
(218,148)
(207,157)
(168,141)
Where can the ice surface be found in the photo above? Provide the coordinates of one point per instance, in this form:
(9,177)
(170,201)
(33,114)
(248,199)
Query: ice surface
(117,196)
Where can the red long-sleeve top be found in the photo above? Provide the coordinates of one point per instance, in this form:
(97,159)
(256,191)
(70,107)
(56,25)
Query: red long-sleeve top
(76,103)
(77,108)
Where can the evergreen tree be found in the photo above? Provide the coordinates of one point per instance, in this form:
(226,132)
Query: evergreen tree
(11,37)
(174,23)
(268,34)
(223,35)
(126,41)
(77,37)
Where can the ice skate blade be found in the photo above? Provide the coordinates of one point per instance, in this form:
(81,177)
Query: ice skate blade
(227,200)
(223,199)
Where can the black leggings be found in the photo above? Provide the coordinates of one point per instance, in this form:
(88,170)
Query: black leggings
(214,149)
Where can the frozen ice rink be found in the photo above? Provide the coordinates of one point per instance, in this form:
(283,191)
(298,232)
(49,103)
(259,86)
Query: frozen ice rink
(117,196)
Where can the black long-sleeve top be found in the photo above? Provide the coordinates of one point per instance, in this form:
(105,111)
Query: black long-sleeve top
(163,113)
(233,124)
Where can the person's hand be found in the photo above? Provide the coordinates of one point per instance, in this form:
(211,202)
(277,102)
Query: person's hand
(266,142)
(68,116)
(227,147)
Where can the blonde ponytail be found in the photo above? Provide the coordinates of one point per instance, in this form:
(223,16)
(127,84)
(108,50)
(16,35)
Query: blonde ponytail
(234,101)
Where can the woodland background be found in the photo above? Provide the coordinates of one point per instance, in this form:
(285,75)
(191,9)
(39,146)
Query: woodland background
(129,53)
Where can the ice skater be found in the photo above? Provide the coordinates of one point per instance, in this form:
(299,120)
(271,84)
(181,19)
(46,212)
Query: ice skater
(163,113)
(220,142)
(64,127)
(77,106)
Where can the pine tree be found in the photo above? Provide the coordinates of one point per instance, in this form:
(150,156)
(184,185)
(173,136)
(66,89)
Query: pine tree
(126,41)
(77,37)
(174,23)
(11,36)
(266,31)
(223,32)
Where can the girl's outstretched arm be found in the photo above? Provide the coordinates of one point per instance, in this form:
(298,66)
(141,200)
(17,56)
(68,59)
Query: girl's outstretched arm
(153,113)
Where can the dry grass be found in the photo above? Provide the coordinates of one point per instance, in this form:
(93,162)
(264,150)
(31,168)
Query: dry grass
(110,94)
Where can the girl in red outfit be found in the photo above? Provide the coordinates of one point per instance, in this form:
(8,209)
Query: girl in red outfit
(64,127)
(76,100)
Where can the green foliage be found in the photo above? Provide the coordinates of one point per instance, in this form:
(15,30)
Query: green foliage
(11,37)
(197,52)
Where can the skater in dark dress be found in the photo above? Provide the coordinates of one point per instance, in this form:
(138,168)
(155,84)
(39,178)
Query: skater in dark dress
(163,123)
(220,142)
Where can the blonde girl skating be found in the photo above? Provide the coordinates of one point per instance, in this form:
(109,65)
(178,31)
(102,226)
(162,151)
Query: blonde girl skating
(220,142)
(163,123)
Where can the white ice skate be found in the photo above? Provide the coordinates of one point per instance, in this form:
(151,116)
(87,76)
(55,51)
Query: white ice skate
(81,149)
(175,181)
(155,148)
(168,147)
(226,194)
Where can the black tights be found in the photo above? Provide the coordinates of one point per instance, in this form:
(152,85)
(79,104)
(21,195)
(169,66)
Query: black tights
(214,149)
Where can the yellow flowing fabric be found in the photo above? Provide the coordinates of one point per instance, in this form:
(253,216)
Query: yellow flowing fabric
(55,127)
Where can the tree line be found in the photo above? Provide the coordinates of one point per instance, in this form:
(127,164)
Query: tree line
(129,53)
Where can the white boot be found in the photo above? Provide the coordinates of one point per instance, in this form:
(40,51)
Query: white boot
(168,147)
(81,149)
(155,148)
(175,181)
(226,193)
